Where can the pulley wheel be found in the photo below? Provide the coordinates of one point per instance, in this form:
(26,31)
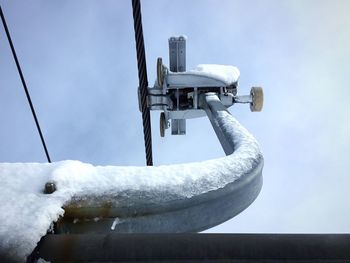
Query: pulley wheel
(160,74)
(162,124)
(257,95)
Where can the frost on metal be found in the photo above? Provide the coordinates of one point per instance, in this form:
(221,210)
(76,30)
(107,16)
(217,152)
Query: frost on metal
(27,213)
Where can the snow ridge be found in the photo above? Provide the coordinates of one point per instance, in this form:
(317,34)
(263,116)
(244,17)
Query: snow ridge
(27,213)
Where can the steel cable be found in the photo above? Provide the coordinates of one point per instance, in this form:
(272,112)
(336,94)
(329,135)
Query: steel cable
(24,85)
(143,81)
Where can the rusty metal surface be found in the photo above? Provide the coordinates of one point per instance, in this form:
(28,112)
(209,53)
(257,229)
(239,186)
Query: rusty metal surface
(194,216)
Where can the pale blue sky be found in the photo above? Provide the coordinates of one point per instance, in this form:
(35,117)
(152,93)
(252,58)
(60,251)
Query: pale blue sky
(79,60)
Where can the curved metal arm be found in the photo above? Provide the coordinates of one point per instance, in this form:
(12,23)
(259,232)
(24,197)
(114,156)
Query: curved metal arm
(207,194)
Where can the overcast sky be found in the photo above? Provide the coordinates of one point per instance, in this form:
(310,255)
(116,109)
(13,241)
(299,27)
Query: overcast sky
(79,61)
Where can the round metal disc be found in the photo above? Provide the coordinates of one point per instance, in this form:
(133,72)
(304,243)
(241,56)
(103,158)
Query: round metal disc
(258,99)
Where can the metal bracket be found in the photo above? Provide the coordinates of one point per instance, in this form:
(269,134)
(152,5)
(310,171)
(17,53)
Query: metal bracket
(177,54)
(177,61)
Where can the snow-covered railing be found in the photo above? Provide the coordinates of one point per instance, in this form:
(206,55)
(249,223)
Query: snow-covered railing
(97,199)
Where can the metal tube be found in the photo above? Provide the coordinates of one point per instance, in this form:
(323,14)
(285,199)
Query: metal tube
(213,107)
(166,210)
(243,99)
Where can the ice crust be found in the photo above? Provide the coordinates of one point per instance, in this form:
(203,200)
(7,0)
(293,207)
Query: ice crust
(27,213)
(225,73)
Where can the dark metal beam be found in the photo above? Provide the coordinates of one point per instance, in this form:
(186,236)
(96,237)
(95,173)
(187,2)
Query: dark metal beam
(196,247)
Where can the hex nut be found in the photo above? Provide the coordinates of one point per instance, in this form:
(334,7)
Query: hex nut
(50,187)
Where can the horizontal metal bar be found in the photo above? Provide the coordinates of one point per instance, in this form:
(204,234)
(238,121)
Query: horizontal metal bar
(243,99)
(196,247)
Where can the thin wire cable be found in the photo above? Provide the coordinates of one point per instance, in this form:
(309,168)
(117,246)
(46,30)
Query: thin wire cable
(143,81)
(24,85)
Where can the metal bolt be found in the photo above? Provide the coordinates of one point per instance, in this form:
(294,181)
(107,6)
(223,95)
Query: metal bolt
(50,187)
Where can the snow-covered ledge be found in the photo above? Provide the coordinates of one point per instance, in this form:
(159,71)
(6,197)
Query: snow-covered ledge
(172,198)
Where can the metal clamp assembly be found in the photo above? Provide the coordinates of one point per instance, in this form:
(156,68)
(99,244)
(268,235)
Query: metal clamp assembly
(176,91)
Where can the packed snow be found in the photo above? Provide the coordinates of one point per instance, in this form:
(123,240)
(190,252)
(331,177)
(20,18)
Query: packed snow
(225,73)
(27,213)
